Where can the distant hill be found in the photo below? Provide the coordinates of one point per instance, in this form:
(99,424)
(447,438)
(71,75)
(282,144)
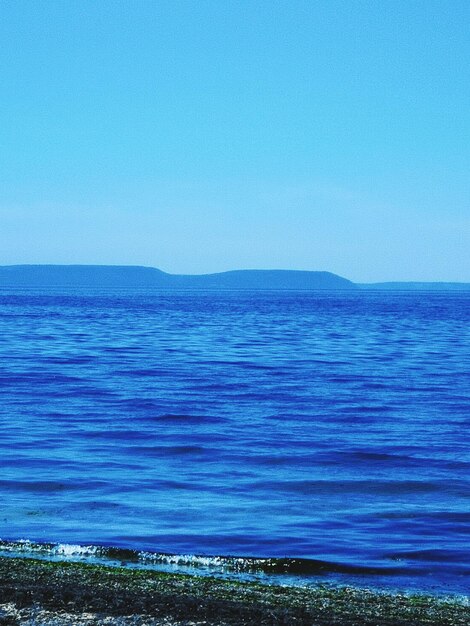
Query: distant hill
(128,276)
(115,276)
(264,279)
(79,275)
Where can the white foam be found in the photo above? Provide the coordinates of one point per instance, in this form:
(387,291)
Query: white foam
(71,550)
(209,562)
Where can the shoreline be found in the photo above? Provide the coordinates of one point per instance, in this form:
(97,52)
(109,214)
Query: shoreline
(53,592)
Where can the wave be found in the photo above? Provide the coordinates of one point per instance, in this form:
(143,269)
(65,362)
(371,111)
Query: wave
(350,486)
(185,563)
(50,486)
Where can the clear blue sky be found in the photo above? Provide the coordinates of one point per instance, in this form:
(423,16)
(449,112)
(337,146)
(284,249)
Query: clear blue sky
(200,136)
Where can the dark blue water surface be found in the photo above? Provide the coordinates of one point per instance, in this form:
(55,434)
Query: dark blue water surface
(326,426)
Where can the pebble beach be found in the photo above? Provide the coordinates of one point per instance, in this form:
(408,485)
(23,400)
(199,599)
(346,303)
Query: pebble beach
(34,592)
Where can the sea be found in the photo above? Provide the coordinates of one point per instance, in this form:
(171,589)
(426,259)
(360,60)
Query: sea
(298,438)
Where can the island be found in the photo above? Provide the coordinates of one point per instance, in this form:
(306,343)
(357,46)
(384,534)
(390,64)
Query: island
(122,276)
(142,277)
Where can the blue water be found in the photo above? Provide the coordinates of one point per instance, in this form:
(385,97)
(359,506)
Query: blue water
(330,427)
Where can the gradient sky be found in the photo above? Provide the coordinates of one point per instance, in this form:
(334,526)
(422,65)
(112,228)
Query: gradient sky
(200,136)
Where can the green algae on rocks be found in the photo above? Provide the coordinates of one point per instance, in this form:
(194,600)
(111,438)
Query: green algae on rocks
(73,588)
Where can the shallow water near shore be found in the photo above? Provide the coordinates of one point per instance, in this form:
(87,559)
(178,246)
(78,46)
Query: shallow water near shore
(325,432)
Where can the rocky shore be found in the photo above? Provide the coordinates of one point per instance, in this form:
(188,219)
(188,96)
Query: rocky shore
(34,592)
